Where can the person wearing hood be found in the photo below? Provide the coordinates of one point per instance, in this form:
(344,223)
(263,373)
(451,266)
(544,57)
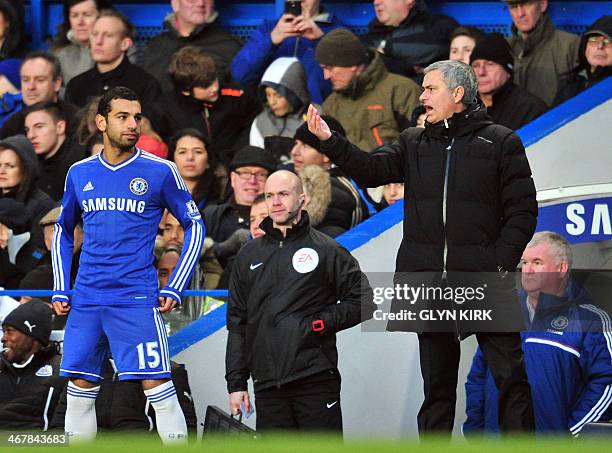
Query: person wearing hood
(285,93)
(19,172)
(192,23)
(372,104)
(470,206)
(408,36)
(11,33)
(290,36)
(14,242)
(541,51)
(30,385)
(568,352)
(595,57)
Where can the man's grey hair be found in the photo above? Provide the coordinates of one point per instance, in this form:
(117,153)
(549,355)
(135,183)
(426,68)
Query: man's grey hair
(559,247)
(455,74)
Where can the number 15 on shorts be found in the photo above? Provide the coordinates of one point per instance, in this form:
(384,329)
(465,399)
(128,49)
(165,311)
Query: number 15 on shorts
(148,355)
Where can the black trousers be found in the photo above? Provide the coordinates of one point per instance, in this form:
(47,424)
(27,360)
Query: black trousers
(309,404)
(440,354)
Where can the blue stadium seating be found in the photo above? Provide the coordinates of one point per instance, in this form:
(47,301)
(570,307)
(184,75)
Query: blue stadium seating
(241,18)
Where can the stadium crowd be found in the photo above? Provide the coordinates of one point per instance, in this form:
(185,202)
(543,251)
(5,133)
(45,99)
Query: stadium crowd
(229,114)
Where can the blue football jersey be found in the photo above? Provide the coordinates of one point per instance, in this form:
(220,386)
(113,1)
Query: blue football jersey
(121,207)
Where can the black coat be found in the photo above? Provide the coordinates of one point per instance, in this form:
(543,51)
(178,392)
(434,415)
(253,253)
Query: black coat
(421,39)
(28,396)
(226,123)
(212,38)
(93,83)
(272,305)
(490,210)
(53,171)
(514,107)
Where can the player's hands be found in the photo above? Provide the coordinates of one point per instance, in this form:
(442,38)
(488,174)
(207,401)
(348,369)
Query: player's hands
(61,308)
(284,29)
(317,125)
(166,304)
(238,398)
(307,27)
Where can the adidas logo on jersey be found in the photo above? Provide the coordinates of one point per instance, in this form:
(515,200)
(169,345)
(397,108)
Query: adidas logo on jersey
(88,186)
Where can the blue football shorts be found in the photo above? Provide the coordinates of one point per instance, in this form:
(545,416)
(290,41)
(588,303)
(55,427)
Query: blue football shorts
(135,337)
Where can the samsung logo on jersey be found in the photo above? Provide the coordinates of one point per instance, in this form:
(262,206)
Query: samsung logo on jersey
(113,204)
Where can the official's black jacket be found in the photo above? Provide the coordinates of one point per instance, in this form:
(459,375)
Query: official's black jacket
(28,395)
(279,286)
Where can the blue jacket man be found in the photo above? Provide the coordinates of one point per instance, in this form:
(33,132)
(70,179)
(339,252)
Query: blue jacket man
(291,36)
(567,346)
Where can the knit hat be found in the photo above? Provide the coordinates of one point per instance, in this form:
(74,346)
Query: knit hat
(494,47)
(602,26)
(24,149)
(304,135)
(340,47)
(9,68)
(13,214)
(253,156)
(32,319)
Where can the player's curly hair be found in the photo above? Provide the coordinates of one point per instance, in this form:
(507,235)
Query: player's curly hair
(104,106)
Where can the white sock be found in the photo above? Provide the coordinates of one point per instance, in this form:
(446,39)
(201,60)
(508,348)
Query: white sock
(169,417)
(80,421)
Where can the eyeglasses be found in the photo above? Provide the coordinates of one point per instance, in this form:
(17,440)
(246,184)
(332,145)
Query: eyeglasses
(260,176)
(597,40)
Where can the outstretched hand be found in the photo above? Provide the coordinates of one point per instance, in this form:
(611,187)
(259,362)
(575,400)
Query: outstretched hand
(317,125)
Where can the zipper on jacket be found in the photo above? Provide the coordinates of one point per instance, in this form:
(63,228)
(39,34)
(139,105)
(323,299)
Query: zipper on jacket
(280,244)
(444,202)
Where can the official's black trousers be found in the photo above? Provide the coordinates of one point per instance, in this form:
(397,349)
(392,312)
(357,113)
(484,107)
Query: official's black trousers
(309,404)
(440,354)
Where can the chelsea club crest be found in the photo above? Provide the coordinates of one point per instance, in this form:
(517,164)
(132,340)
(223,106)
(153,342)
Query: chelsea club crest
(559,323)
(139,186)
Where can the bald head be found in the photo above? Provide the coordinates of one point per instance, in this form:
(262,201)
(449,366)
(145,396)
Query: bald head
(284,198)
(287,179)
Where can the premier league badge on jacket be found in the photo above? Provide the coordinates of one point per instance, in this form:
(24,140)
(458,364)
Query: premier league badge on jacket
(192,210)
(139,186)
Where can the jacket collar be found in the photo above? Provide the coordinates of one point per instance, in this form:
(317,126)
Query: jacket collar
(296,231)
(170,24)
(373,73)
(551,305)
(541,33)
(118,72)
(462,123)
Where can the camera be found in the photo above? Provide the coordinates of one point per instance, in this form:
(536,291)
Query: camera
(293,7)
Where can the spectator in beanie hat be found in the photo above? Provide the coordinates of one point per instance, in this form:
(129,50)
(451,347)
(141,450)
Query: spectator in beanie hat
(507,103)
(373,105)
(29,369)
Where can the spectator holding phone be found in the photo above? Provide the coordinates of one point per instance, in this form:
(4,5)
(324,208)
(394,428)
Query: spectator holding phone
(295,34)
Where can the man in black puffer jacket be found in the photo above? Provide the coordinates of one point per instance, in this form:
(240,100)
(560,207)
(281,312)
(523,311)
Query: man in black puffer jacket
(470,207)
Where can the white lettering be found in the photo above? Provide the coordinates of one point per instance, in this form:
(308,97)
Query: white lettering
(573,212)
(91,205)
(100,204)
(111,204)
(131,206)
(141,207)
(601,218)
(85,206)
